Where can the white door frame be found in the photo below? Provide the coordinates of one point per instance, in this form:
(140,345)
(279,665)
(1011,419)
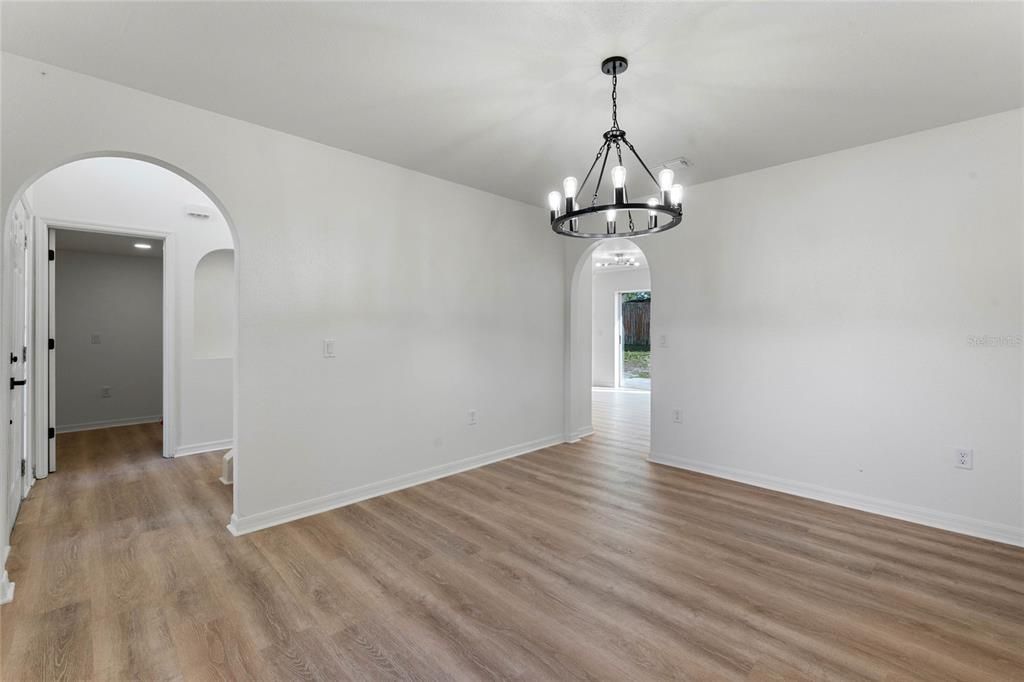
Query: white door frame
(30,395)
(41,375)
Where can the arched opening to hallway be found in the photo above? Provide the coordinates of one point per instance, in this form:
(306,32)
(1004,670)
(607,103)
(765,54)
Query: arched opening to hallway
(610,346)
(113,379)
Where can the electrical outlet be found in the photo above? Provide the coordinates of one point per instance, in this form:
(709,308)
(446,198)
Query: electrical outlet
(95,339)
(964,458)
(472,418)
(104,391)
(677,416)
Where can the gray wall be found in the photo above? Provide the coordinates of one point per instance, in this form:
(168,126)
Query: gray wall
(120,299)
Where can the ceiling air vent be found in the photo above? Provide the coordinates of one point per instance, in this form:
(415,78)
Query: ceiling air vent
(679,165)
(199,212)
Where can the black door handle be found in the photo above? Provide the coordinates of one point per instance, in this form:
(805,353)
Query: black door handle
(17,382)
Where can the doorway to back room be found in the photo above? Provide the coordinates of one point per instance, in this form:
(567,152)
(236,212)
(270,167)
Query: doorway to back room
(106,302)
(634,348)
(621,316)
(621,345)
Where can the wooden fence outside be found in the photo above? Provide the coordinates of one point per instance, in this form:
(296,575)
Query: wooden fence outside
(636,325)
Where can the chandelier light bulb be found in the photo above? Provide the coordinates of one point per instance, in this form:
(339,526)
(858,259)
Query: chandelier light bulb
(652,202)
(619,177)
(677,194)
(619,183)
(554,201)
(610,217)
(665,178)
(569,186)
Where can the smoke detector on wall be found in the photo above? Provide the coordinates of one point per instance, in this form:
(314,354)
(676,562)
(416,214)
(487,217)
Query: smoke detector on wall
(198,212)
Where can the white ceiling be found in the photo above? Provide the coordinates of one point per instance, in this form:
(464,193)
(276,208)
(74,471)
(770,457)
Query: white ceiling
(95,242)
(508,97)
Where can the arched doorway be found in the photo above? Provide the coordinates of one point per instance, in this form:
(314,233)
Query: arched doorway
(111,199)
(609,358)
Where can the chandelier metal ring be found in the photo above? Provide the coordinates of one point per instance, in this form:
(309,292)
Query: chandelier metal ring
(566,213)
(674,213)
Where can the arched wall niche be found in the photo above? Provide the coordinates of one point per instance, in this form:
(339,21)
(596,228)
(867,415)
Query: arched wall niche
(214,306)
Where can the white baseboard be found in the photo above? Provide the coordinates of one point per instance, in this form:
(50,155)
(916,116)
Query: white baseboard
(200,448)
(291,512)
(90,426)
(966,525)
(580,433)
(227,476)
(6,589)
(6,586)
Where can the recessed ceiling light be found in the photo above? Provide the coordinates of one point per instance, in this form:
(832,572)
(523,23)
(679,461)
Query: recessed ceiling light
(140,245)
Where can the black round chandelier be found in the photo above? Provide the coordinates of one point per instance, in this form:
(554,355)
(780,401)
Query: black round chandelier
(661,212)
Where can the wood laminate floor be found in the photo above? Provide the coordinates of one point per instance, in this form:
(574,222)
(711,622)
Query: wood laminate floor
(578,561)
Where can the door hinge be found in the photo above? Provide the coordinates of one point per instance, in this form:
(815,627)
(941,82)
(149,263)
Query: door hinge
(53,255)
(51,432)
(22,468)
(52,344)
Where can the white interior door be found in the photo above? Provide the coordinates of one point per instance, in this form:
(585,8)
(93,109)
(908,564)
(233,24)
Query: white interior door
(16,256)
(51,359)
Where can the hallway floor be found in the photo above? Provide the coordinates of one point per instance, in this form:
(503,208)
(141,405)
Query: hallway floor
(578,561)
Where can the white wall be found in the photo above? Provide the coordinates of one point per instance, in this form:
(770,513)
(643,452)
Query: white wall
(607,285)
(820,316)
(128,193)
(119,300)
(424,292)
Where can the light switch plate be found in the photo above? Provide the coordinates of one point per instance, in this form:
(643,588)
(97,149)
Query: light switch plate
(329,348)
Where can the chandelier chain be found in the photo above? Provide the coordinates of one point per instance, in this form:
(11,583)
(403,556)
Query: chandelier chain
(604,162)
(637,155)
(600,151)
(615,101)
